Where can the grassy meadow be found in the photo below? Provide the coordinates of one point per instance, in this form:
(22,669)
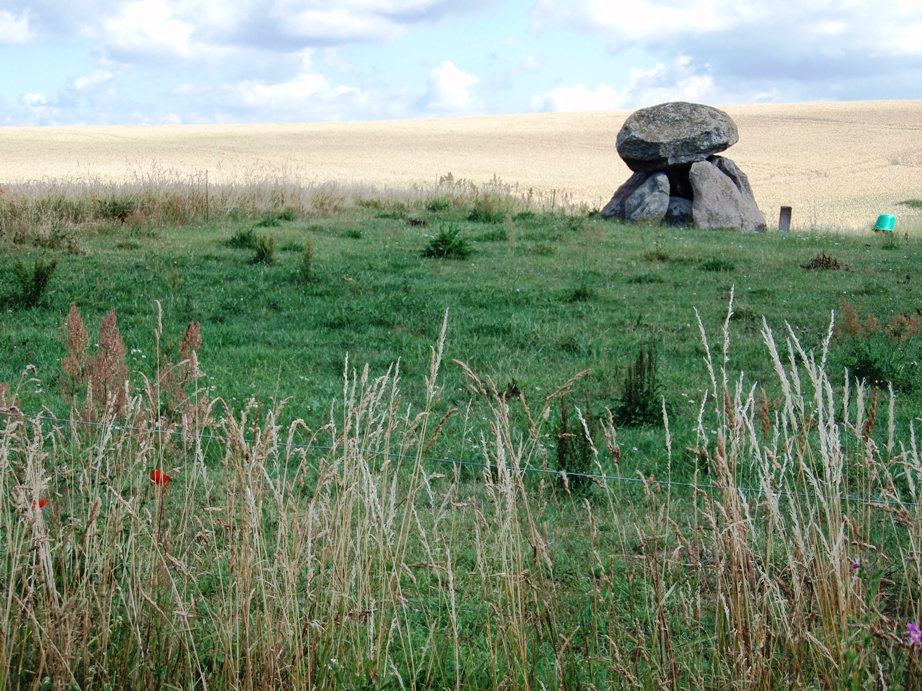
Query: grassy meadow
(277,435)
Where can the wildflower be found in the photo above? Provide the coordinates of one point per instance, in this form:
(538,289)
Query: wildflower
(158,477)
(39,504)
(856,564)
(915,634)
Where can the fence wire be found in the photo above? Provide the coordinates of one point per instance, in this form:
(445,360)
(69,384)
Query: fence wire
(618,479)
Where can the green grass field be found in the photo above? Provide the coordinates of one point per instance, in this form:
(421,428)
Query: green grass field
(541,298)
(354,537)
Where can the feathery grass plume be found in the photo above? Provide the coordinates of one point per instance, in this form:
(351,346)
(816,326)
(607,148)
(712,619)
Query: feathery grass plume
(7,400)
(107,374)
(174,378)
(74,364)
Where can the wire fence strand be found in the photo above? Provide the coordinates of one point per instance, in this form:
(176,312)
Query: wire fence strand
(618,479)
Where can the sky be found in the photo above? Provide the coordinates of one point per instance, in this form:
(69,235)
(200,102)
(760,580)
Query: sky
(124,62)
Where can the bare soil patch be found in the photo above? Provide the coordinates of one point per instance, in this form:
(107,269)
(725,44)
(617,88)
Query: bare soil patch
(839,165)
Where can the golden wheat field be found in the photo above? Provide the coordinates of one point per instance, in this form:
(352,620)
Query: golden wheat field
(838,164)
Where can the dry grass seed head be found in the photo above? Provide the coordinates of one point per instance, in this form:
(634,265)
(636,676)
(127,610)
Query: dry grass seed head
(77,342)
(107,373)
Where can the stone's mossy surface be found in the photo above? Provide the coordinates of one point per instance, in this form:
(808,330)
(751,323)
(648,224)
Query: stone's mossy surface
(672,134)
(649,202)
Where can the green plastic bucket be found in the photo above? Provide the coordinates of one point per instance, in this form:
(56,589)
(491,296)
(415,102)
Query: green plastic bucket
(885,222)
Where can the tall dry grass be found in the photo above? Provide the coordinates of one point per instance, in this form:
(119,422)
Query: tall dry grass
(351,561)
(51,211)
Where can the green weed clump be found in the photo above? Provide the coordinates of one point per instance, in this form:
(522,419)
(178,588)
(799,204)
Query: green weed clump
(243,239)
(31,282)
(117,208)
(438,205)
(879,354)
(306,265)
(575,451)
(641,401)
(269,222)
(718,264)
(448,244)
(487,209)
(264,246)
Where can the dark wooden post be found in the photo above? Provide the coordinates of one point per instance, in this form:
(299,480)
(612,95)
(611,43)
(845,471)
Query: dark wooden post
(784,220)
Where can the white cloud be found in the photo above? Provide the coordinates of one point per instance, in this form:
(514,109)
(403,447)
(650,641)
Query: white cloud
(450,91)
(333,59)
(324,22)
(15,31)
(647,20)
(576,98)
(40,112)
(798,40)
(506,77)
(34,100)
(90,80)
(679,81)
(308,96)
(335,25)
(149,28)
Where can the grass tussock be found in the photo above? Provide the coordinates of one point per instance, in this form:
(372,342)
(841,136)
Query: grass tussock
(139,550)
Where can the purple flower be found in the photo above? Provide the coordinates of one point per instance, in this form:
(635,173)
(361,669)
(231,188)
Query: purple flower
(856,564)
(915,634)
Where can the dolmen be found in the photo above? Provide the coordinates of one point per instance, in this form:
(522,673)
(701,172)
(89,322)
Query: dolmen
(678,177)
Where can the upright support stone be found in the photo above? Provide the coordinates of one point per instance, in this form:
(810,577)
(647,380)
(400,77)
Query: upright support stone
(615,207)
(719,203)
(650,201)
(784,219)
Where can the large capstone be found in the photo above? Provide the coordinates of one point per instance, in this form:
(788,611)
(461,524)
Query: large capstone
(673,134)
